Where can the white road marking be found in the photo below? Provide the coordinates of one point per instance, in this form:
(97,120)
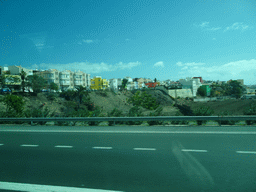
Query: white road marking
(136,132)
(193,150)
(144,149)
(45,188)
(27,145)
(1,144)
(102,147)
(248,152)
(63,146)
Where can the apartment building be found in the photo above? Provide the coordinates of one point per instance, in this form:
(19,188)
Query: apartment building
(88,81)
(79,79)
(66,80)
(16,70)
(51,76)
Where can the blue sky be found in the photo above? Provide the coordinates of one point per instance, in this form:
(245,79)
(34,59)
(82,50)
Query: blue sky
(163,39)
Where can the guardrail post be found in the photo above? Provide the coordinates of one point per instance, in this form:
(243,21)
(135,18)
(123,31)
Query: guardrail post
(219,122)
(114,123)
(32,123)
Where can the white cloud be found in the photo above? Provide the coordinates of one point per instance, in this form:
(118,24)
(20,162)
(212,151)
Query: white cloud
(159,64)
(180,64)
(204,24)
(237,26)
(243,69)
(87,41)
(184,68)
(213,38)
(89,67)
(214,28)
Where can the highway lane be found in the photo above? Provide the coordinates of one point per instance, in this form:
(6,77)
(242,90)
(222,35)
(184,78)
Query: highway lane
(142,159)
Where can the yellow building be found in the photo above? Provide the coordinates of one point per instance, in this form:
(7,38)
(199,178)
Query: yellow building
(97,83)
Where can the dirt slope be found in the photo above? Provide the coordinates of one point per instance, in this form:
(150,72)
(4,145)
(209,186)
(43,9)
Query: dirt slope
(233,106)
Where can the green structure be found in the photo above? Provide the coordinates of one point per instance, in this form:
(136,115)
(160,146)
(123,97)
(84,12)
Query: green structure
(207,89)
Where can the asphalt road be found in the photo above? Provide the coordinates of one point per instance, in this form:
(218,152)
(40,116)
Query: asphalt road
(131,158)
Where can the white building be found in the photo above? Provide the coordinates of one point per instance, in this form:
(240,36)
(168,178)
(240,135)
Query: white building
(190,83)
(113,84)
(129,79)
(16,70)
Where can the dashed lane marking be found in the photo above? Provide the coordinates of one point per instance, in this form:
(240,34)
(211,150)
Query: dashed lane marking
(28,145)
(144,149)
(246,152)
(63,146)
(194,150)
(102,147)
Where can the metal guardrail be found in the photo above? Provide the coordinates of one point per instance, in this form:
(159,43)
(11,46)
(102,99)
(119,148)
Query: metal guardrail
(151,118)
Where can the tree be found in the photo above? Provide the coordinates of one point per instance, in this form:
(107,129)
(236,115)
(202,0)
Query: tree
(2,80)
(80,92)
(53,86)
(201,91)
(23,75)
(235,89)
(124,83)
(14,103)
(37,83)
(155,80)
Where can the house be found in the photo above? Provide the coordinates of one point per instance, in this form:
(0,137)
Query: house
(130,85)
(151,85)
(113,84)
(97,83)
(200,78)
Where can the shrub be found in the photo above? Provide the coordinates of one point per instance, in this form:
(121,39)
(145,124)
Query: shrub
(52,96)
(103,93)
(226,122)
(250,111)
(60,123)
(203,111)
(115,113)
(144,100)
(35,112)
(185,110)
(134,112)
(95,113)
(177,122)
(68,95)
(79,113)
(158,112)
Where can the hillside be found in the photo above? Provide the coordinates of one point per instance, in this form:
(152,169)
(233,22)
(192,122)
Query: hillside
(111,100)
(106,103)
(232,106)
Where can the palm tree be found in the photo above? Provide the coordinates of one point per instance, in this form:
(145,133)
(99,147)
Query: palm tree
(80,92)
(23,75)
